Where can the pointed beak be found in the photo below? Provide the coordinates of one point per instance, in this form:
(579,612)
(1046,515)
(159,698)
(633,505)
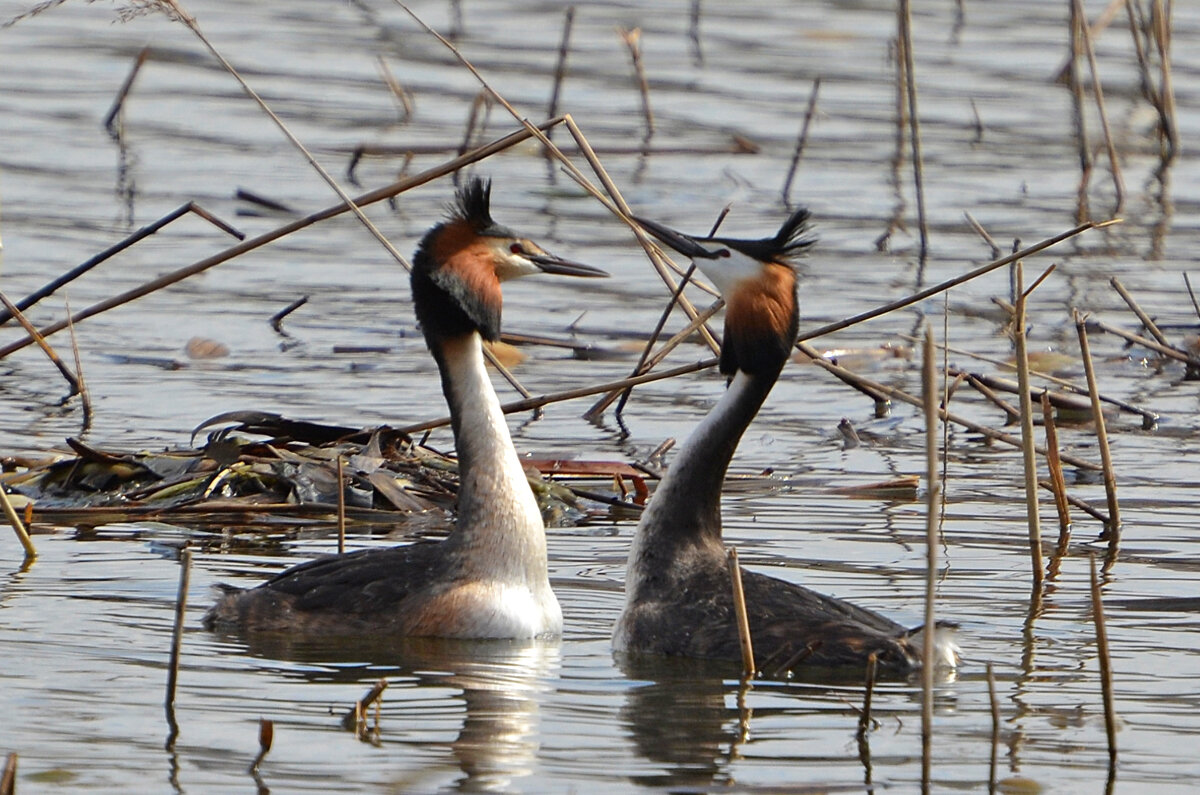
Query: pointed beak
(684,244)
(563,267)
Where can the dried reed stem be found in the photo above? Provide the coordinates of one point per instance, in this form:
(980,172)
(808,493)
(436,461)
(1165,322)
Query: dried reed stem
(277,318)
(1145,319)
(917,297)
(1075,502)
(1011,414)
(739,609)
(1114,162)
(983,233)
(633,40)
(1071,71)
(266,737)
(1192,295)
(1027,443)
(1192,362)
(399,93)
(8,777)
(144,232)
(560,68)
(352,718)
(376,195)
(1058,485)
(17,525)
(995,705)
(54,358)
(1110,480)
(801,141)
(1106,685)
(185,574)
(864,717)
(933,490)
(85,397)
(914,123)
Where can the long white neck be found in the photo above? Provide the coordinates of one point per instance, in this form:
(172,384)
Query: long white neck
(497,512)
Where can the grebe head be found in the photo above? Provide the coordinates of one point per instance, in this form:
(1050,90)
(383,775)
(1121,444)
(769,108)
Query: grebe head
(461,262)
(757,279)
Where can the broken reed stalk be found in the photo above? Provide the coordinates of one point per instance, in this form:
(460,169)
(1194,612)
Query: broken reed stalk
(110,118)
(945,415)
(995,705)
(370,197)
(914,124)
(1145,319)
(341,507)
(277,318)
(1058,485)
(8,777)
(739,609)
(1011,414)
(983,233)
(352,719)
(85,397)
(864,717)
(149,229)
(17,525)
(933,489)
(1192,362)
(1110,480)
(1192,295)
(633,40)
(560,68)
(1027,443)
(1106,686)
(399,93)
(801,141)
(921,295)
(266,737)
(185,574)
(1114,163)
(72,380)
(1160,19)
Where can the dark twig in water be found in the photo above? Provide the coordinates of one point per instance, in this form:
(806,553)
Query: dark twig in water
(864,717)
(114,113)
(995,705)
(1110,480)
(144,232)
(341,507)
(739,610)
(1192,362)
(220,257)
(801,142)
(1106,686)
(1011,413)
(277,318)
(185,574)
(354,719)
(1188,283)
(560,67)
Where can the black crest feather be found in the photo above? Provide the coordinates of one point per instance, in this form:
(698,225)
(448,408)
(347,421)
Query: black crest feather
(473,203)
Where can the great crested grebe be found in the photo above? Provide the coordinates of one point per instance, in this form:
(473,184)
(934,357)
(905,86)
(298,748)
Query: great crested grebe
(488,578)
(678,595)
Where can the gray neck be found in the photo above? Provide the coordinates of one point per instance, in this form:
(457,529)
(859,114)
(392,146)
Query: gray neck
(686,508)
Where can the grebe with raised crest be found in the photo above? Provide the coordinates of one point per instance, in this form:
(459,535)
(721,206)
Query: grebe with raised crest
(678,594)
(489,577)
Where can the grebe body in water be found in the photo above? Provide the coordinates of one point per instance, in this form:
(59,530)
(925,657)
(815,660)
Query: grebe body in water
(488,578)
(678,595)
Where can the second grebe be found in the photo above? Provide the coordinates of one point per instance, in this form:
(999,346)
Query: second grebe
(488,578)
(678,595)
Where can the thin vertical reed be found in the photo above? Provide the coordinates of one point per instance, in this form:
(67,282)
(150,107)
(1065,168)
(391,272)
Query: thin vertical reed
(995,705)
(1058,485)
(560,68)
(266,737)
(932,503)
(633,40)
(185,574)
(110,118)
(914,123)
(1027,440)
(739,607)
(864,717)
(801,141)
(1106,686)
(1110,480)
(1114,162)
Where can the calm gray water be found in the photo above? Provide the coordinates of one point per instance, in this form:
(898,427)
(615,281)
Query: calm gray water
(85,631)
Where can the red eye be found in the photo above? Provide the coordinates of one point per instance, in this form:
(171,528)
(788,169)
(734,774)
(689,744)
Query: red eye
(516,248)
